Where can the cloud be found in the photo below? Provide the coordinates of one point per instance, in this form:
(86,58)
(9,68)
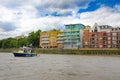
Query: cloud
(7,26)
(63,7)
(104,15)
(18,17)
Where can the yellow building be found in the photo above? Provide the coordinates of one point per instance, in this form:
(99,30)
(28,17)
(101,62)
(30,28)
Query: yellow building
(87,27)
(49,39)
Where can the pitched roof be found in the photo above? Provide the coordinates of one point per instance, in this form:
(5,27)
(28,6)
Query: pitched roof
(105,27)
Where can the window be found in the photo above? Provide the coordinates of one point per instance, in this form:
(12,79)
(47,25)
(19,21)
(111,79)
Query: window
(114,38)
(109,42)
(118,33)
(114,34)
(109,46)
(119,38)
(109,38)
(67,27)
(108,34)
(114,46)
(100,46)
(114,42)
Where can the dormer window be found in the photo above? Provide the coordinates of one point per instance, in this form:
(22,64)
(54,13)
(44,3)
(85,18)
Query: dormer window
(102,27)
(106,27)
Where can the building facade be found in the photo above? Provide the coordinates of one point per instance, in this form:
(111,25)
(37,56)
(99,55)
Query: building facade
(49,39)
(101,36)
(60,40)
(79,36)
(115,37)
(86,37)
(73,36)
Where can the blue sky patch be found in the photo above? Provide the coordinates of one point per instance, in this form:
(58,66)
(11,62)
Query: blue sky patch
(98,3)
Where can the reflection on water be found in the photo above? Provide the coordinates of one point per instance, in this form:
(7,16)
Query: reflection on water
(59,67)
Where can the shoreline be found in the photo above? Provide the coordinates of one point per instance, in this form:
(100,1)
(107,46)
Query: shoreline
(71,51)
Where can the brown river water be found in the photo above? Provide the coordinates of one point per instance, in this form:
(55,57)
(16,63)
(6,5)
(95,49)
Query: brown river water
(59,67)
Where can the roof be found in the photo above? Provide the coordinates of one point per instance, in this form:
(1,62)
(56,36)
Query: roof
(105,27)
(73,24)
(117,28)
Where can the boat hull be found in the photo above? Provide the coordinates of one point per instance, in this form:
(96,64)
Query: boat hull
(24,54)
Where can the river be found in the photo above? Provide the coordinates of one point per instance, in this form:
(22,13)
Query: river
(59,67)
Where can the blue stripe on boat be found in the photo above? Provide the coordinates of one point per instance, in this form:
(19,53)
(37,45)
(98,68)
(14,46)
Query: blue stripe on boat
(24,54)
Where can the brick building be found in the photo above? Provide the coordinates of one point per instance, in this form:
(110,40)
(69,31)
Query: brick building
(100,36)
(115,37)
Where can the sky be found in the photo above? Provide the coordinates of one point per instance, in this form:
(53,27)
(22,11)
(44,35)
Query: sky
(20,17)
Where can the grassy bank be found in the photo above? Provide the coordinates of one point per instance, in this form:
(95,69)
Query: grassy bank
(80,51)
(8,50)
(90,51)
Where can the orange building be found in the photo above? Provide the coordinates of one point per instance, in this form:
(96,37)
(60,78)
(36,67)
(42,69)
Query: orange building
(86,37)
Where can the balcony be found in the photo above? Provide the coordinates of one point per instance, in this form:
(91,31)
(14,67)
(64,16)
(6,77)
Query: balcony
(43,36)
(45,42)
(44,39)
(75,30)
(72,34)
(67,30)
(60,35)
(60,38)
(67,37)
(104,43)
(68,41)
(60,42)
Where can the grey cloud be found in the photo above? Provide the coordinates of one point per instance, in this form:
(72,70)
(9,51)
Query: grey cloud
(7,26)
(48,6)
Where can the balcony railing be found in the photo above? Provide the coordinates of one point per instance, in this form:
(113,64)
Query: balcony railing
(60,38)
(45,42)
(45,36)
(60,35)
(60,41)
(45,39)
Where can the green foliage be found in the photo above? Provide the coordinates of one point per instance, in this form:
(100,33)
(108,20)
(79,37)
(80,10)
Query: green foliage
(78,52)
(33,38)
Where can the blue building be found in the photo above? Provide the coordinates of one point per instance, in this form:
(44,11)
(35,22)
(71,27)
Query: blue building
(73,36)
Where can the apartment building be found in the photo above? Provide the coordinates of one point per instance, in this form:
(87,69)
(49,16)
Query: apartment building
(100,36)
(60,40)
(73,36)
(77,36)
(115,37)
(49,39)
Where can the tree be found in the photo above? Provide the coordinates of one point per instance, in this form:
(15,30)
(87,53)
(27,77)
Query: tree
(23,42)
(37,38)
(34,38)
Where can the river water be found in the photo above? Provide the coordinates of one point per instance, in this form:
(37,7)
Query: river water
(59,67)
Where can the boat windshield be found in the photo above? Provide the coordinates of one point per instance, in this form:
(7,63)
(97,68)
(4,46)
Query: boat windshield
(27,49)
